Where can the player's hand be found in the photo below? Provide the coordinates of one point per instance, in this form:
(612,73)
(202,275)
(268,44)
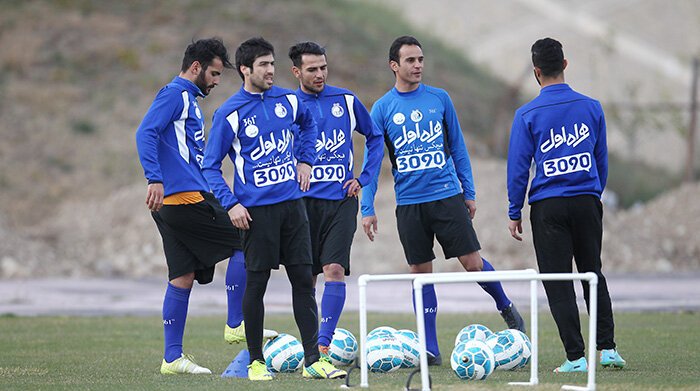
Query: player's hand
(240,217)
(369,224)
(471,205)
(353,186)
(516,229)
(154,197)
(304,176)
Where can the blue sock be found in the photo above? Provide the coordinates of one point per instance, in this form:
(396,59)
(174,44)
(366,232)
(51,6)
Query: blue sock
(174,316)
(495,289)
(331,307)
(430,314)
(235,288)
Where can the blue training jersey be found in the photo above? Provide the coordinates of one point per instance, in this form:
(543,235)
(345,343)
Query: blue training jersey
(338,113)
(170,139)
(564,133)
(429,159)
(256,132)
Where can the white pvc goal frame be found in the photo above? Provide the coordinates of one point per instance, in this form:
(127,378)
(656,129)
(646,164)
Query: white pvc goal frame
(419,280)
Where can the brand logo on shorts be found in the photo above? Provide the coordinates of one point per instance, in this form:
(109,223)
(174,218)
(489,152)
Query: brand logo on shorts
(416,116)
(251,131)
(399,118)
(280,110)
(336,110)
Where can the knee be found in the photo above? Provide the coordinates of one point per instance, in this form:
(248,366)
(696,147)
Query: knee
(183,282)
(333,272)
(472,262)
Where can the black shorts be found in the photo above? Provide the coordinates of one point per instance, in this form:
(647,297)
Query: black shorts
(278,234)
(196,237)
(447,219)
(332,224)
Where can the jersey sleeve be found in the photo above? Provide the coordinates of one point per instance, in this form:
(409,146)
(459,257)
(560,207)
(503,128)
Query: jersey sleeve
(458,149)
(307,132)
(600,151)
(520,154)
(369,190)
(218,146)
(374,150)
(164,110)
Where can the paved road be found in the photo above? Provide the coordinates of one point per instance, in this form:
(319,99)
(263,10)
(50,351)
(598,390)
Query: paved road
(96,297)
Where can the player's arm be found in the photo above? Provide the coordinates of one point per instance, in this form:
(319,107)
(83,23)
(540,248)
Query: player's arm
(374,150)
(308,133)
(460,156)
(520,154)
(165,109)
(218,146)
(369,190)
(600,151)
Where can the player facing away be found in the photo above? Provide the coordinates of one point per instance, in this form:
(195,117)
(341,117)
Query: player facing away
(564,133)
(254,128)
(433,182)
(331,202)
(196,230)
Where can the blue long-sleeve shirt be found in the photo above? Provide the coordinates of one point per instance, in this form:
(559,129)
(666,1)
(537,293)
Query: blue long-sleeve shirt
(429,158)
(256,132)
(564,133)
(170,139)
(338,112)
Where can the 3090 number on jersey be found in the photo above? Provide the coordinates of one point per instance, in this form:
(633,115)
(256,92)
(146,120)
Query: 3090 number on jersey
(567,164)
(328,173)
(274,175)
(420,161)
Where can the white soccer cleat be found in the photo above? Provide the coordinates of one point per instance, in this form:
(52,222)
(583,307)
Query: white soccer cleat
(184,364)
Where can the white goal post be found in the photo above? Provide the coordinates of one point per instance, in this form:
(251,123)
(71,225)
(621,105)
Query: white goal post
(419,280)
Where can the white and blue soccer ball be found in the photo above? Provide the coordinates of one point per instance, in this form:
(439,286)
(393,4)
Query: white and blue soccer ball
(507,349)
(343,348)
(410,347)
(284,353)
(384,354)
(526,352)
(473,331)
(381,331)
(472,360)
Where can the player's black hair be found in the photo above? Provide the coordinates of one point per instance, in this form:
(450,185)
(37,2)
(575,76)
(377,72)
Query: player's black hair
(205,51)
(250,50)
(398,43)
(547,54)
(298,50)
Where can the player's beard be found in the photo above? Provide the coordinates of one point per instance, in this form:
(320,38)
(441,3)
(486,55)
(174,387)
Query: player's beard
(201,83)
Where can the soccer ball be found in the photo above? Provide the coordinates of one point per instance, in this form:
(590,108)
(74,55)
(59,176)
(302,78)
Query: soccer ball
(381,331)
(473,331)
(506,348)
(410,347)
(472,360)
(343,347)
(284,353)
(526,352)
(384,354)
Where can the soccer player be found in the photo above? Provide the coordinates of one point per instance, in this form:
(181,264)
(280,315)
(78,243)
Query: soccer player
(254,128)
(564,133)
(331,202)
(196,230)
(433,182)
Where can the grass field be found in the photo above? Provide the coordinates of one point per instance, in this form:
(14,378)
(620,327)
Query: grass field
(91,353)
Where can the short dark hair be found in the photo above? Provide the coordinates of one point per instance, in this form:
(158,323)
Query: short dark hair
(250,50)
(205,51)
(547,54)
(398,43)
(298,50)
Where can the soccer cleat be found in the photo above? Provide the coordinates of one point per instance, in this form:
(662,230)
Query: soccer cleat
(433,360)
(579,365)
(184,364)
(611,358)
(257,371)
(237,334)
(513,318)
(323,351)
(323,369)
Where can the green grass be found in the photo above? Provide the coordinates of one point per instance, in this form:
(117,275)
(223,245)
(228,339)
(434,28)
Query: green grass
(81,353)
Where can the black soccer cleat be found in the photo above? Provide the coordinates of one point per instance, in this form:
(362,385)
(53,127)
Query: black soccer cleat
(513,318)
(434,361)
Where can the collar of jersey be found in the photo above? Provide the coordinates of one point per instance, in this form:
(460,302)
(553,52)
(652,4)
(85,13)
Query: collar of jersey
(410,94)
(556,87)
(188,85)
